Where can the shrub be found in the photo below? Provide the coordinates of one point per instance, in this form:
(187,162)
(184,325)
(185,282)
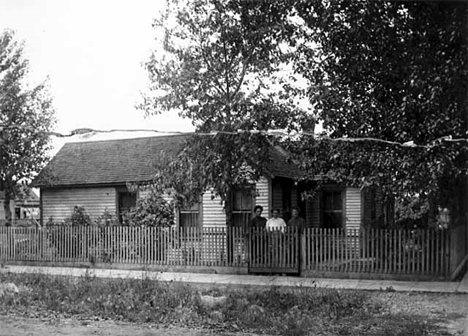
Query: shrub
(78,217)
(152,210)
(74,243)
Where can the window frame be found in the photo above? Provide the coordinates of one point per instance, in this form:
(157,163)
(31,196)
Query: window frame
(119,193)
(198,211)
(245,214)
(324,211)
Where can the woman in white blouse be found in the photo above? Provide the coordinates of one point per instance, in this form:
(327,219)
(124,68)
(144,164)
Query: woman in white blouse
(275,222)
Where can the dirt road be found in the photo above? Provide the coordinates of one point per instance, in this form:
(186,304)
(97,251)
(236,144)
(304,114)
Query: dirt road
(20,326)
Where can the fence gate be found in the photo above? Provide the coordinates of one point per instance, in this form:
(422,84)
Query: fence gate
(274,251)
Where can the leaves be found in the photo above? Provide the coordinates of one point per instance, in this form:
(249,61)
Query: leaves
(395,71)
(22,150)
(152,210)
(221,67)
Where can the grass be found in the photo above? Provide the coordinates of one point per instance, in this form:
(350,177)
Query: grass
(280,311)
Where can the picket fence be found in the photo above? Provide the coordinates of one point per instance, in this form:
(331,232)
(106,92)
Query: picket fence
(311,251)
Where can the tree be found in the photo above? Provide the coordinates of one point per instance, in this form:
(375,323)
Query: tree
(221,67)
(26,118)
(397,72)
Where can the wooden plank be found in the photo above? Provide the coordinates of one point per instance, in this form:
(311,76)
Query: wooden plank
(59,203)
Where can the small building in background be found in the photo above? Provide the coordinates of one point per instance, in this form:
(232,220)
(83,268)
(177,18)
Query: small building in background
(25,210)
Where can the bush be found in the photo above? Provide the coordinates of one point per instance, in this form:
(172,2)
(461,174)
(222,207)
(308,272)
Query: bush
(152,210)
(78,217)
(75,243)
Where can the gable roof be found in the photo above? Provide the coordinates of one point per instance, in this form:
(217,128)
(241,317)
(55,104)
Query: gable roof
(107,162)
(112,162)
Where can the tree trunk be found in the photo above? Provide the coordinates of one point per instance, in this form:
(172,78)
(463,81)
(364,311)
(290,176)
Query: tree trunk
(432,212)
(229,226)
(458,208)
(6,207)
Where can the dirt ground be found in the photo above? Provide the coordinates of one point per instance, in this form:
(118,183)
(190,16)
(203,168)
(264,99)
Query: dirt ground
(20,326)
(450,311)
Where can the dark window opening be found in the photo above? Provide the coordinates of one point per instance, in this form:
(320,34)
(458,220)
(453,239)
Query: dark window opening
(332,208)
(17,212)
(127,201)
(190,216)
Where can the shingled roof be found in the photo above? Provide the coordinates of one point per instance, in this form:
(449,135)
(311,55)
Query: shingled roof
(112,162)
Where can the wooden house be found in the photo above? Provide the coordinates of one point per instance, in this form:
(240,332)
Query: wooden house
(347,232)
(94,175)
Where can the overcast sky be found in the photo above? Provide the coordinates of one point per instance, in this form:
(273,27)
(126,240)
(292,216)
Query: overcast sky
(92,52)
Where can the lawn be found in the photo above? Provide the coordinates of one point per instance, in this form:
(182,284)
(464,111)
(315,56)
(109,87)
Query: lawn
(259,310)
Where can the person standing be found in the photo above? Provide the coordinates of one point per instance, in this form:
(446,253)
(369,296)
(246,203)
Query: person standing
(257,239)
(275,221)
(295,220)
(294,234)
(258,221)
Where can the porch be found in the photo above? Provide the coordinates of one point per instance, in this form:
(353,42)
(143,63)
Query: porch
(317,252)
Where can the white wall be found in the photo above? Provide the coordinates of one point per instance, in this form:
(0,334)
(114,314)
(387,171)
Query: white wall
(59,203)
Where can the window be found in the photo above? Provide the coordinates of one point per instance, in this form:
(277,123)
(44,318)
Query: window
(17,212)
(190,217)
(242,206)
(332,208)
(126,201)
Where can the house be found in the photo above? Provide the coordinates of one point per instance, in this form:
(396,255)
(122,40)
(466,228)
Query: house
(24,210)
(94,175)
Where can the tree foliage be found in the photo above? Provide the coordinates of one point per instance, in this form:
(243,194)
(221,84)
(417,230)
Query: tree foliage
(26,118)
(151,211)
(221,67)
(395,71)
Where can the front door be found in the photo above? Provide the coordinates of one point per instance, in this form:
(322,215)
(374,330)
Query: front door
(274,251)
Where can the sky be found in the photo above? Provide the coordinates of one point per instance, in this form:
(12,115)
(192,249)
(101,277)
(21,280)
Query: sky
(92,52)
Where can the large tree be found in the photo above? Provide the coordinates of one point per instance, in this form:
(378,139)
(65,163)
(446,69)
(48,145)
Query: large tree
(393,77)
(222,66)
(26,118)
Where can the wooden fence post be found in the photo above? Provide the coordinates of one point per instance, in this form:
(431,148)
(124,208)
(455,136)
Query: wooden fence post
(458,250)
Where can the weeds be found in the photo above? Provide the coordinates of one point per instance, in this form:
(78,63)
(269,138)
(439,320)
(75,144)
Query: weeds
(297,311)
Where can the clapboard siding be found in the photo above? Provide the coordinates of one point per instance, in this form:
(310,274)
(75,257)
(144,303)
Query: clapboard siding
(58,204)
(262,195)
(213,211)
(353,208)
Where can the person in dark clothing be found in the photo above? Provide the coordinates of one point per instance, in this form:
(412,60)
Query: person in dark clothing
(295,220)
(258,221)
(300,224)
(257,224)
